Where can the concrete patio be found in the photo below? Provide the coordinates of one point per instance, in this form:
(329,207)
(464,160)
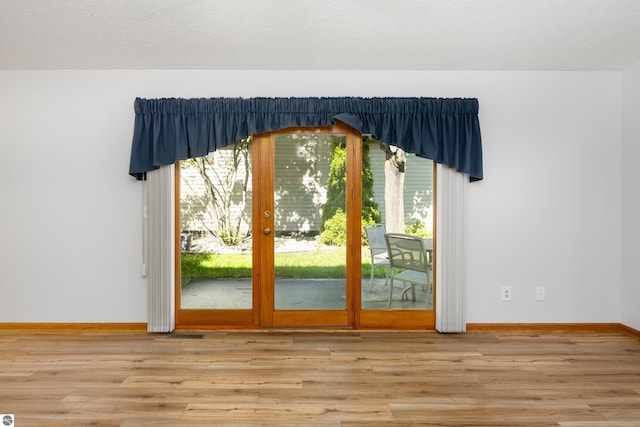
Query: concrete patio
(295,294)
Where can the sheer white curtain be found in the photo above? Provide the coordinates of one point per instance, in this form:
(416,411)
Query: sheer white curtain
(158,219)
(450,250)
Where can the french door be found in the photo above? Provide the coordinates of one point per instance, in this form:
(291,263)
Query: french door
(291,226)
(288,210)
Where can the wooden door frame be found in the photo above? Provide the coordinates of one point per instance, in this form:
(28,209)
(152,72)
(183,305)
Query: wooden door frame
(356,317)
(263,176)
(203,318)
(406,319)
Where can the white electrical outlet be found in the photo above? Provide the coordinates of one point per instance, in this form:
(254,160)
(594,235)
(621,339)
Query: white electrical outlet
(540,293)
(506,293)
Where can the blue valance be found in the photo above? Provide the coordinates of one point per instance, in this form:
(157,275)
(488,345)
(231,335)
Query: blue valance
(170,129)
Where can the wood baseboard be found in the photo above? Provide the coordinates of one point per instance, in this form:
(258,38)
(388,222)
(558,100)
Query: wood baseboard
(471,327)
(629,330)
(552,327)
(73,327)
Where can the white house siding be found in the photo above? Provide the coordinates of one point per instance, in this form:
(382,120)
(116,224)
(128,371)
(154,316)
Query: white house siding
(195,216)
(301,173)
(418,186)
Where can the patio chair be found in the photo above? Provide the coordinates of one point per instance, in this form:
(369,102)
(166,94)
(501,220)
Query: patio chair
(410,263)
(377,248)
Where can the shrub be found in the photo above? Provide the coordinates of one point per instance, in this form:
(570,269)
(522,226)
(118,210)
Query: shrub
(335,230)
(417,228)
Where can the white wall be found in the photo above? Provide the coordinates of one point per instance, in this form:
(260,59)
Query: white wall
(70,222)
(630,284)
(546,214)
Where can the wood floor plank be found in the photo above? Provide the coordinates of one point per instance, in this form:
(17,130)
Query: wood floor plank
(248,378)
(289,411)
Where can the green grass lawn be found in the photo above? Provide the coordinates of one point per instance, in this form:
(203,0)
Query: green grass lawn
(316,264)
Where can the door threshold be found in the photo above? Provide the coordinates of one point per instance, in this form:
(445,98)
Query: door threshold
(311,327)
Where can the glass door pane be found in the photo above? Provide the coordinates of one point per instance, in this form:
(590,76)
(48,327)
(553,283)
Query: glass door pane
(215,230)
(398,195)
(310,222)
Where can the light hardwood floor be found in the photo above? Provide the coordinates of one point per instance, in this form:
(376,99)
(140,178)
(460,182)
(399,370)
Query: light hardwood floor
(568,379)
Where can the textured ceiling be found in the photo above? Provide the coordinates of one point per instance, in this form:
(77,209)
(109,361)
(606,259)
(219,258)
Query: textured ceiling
(320,34)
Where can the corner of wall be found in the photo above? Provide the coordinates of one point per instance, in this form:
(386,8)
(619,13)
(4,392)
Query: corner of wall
(630,209)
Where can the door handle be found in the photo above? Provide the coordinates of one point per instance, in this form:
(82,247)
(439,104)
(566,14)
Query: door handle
(267,230)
